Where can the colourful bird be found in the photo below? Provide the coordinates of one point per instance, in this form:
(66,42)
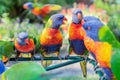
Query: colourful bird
(24,44)
(102,49)
(51,37)
(76,43)
(41,10)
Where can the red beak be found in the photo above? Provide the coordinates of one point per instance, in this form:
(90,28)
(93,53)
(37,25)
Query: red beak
(79,16)
(25,6)
(27,41)
(64,20)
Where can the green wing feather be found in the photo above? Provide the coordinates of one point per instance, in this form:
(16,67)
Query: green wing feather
(105,34)
(115,64)
(48,24)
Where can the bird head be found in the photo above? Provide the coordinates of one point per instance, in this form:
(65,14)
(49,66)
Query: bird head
(57,20)
(89,18)
(28,5)
(77,16)
(92,28)
(22,38)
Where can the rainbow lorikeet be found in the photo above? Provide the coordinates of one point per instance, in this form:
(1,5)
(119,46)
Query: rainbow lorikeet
(76,43)
(24,44)
(102,49)
(51,37)
(41,10)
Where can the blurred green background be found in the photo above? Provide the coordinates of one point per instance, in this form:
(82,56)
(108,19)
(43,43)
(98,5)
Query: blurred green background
(13,16)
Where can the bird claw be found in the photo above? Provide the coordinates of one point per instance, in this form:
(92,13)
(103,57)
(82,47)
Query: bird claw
(66,57)
(32,58)
(60,57)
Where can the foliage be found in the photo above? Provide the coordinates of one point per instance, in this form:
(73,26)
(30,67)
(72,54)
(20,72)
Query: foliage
(113,10)
(15,7)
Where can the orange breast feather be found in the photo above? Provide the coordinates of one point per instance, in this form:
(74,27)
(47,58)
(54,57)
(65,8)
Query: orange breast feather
(102,51)
(75,32)
(41,11)
(27,48)
(51,37)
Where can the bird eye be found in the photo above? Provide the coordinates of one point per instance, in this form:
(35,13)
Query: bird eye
(88,28)
(59,18)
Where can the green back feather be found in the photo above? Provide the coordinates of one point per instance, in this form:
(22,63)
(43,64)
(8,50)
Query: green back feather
(115,64)
(48,24)
(106,35)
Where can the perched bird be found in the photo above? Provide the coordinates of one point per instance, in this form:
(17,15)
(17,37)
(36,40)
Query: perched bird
(75,40)
(102,49)
(51,37)
(24,44)
(41,10)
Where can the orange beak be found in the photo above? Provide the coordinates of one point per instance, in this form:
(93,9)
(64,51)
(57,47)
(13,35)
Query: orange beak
(27,41)
(25,6)
(64,20)
(79,16)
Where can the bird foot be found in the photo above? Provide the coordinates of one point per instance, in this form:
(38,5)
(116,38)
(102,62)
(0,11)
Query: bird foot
(32,58)
(60,57)
(66,56)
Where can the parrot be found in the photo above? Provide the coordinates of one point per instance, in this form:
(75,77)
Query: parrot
(76,44)
(24,44)
(103,49)
(41,10)
(51,38)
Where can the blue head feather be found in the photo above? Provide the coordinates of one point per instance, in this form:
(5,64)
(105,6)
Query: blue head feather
(21,38)
(92,28)
(57,20)
(75,18)
(89,18)
(29,5)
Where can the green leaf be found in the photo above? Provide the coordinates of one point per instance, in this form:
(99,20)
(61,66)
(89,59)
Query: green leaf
(24,71)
